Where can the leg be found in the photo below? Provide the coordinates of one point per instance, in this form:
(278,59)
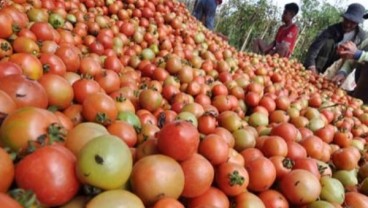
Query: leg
(259,46)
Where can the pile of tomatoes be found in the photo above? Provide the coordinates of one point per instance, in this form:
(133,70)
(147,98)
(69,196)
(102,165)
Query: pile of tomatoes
(134,103)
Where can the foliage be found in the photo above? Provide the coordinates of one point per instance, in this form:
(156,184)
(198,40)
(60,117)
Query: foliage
(244,20)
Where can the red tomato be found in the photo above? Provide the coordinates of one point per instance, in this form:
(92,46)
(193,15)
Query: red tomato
(214,149)
(231,178)
(213,197)
(57,165)
(168,203)
(6,171)
(8,202)
(6,25)
(157,176)
(262,174)
(178,139)
(23,91)
(273,199)
(199,175)
(30,65)
(300,187)
(100,108)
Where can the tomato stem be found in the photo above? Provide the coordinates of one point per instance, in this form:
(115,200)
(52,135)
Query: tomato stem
(26,198)
(235,178)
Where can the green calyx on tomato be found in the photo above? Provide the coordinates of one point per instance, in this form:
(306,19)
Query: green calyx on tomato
(236,179)
(26,198)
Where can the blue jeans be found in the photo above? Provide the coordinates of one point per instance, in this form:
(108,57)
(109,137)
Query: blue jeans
(205,11)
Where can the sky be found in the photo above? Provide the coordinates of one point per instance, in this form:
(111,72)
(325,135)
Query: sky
(281,3)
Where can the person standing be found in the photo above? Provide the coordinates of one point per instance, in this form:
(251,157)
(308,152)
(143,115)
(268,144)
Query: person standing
(205,11)
(286,36)
(322,53)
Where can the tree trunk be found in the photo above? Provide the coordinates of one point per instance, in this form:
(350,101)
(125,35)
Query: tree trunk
(247,38)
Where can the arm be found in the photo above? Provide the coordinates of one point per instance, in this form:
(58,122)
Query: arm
(314,49)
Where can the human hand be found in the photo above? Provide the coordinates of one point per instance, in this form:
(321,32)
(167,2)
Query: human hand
(338,78)
(347,50)
(313,69)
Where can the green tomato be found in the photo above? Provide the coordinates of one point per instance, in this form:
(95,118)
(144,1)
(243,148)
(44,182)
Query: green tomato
(346,177)
(243,139)
(258,119)
(56,20)
(131,118)
(187,116)
(332,190)
(105,162)
(320,204)
(147,54)
(116,198)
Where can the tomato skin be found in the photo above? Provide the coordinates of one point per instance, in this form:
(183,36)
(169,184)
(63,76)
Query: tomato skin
(273,199)
(100,108)
(52,167)
(262,174)
(300,187)
(232,178)
(30,65)
(248,200)
(6,23)
(355,199)
(199,175)
(157,176)
(24,125)
(213,197)
(6,171)
(178,139)
(115,198)
(8,202)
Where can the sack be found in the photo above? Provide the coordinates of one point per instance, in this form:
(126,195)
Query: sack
(333,69)
(349,83)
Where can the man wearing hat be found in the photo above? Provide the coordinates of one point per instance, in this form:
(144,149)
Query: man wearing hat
(356,57)
(322,52)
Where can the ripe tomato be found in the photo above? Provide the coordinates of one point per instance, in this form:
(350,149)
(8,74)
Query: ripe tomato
(31,66)
(6,25)
(70,56)
(168,203)
(6,48)
(59,91)
(355,199)
(214,149)
(274,146)
(24,92)
(51,63)
(231,178)
(58,165)
(247,199)
(213,197)
(199,175)
(104,157)
(8,202)
(262,174)
(286,131)
(124,131)
(157,176)
(6,171)
(178,139)
(150,99)
(29,124)
(7,105)
(99,107)
(115,198)
(273,199)
(300,187)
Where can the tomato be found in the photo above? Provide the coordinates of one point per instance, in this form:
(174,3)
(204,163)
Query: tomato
(25,45)
(199,175)
(7,105)
(348,178)
(29,124)
(355,199)
(8,202)
(168,203)
(244,139)
(6,171)
(321,204)
(157,176)
(258,119)
(309,164)
(346,158)
(124,131)
(76,202)
(31,66)
(247,200)
(100,108)
(109,81)
(104,157)
(70,57)
(214,149)
(273,199)
(178,139)
(57,165)
(229,120)
(6,48)
(282,165)
(332,190)
(300,187)
(23,91)
(6,25)
(81,134)
(52,64)
(8,68)
(207,123)
(274,146)
(131,118)
(59,91)
(262,174)
(231,178)
(213,197)
(286,131)
(115,198)
(150,100)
